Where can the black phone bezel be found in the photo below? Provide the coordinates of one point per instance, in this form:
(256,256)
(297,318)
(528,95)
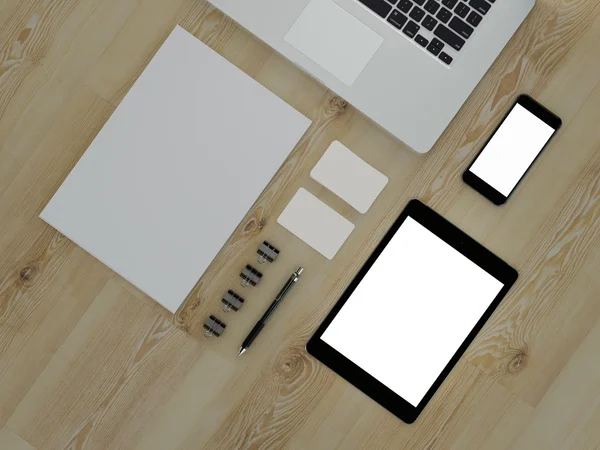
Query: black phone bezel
(481,185)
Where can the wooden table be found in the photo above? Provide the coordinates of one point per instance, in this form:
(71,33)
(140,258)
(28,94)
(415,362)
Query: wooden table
(87,361)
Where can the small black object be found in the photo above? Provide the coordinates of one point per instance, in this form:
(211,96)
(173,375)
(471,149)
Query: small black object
(462,10)
(432,6)
(250,276)
(444,15)
(214,327)
(421,41)
(480,5)
(379,7)
(474,18)
(269,312)
(445,57)
(231,301)
(437,43)
(449,37)
(433,49)
(429,23)
(458,26)
(417,14)
(266,252)
(411,29)
(405,5)
(397,19)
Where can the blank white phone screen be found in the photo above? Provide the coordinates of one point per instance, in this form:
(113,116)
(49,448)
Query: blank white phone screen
(412,311)
(511,151)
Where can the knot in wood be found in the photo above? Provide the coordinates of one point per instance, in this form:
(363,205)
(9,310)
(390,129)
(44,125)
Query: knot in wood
(28,273)
(336,106)
(254,224)
(518,362)
(291,365)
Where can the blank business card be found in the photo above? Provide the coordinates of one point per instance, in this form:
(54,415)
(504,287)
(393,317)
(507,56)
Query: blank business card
(349,177)
(315,223)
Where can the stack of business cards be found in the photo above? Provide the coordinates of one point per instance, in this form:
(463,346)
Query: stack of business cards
(351,179)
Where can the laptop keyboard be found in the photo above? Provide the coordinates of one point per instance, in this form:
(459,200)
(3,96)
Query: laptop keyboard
(441,27)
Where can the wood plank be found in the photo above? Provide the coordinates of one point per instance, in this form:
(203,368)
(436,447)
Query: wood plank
(72,132)
(7,10)
(515,345)
(46,283)
(136,358)
(567,417)
(10,441)
(573,94)
(332,419)
(132,49)
(451,420)
(43,63)
(195,409)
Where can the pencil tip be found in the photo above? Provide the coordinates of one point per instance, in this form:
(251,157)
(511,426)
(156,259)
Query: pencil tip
(242,351)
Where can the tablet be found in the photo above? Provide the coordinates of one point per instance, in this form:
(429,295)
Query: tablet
(411,311)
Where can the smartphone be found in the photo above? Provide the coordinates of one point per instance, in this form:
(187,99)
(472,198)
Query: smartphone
(511,150)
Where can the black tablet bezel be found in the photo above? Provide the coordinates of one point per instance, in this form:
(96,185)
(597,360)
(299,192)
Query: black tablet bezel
(360,378)
(482,186)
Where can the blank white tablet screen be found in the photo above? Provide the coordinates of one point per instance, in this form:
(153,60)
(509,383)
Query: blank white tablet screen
(412,311)
(511,151)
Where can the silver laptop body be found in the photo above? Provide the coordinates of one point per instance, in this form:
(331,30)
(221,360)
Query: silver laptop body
(409,65)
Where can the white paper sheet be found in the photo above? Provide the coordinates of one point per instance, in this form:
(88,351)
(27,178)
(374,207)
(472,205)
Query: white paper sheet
(175,169)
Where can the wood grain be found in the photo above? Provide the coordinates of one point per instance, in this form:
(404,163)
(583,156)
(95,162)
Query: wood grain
(88,361)
(144,353)
(576,394)
(9,440)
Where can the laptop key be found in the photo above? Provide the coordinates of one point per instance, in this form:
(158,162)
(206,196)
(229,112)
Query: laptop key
(444,15)
(433,49)
(411,29)
(432,6)
(417,14)
(405,5)
(449,3)
(379,7)
(461,28)
(480,5)
(462,10)
(449,37)
(439,44)
(419,2)
(397,19)
(421,41)
(429,23)
(474,18)
(445,57)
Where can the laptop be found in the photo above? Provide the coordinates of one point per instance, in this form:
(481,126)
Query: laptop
(409,65)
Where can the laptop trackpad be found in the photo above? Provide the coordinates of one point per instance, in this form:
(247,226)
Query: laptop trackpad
(334,39)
